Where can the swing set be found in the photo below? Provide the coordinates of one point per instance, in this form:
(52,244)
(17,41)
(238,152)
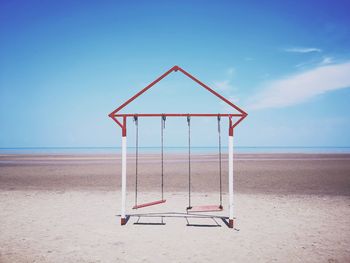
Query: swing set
(234,120)
(190,208)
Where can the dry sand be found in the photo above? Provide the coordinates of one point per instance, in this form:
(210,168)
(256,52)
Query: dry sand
(289,208)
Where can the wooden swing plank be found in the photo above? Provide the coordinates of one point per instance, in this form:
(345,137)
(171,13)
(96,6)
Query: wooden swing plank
(149,204)
(205,208)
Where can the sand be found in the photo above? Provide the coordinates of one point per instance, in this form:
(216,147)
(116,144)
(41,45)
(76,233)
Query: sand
(288,208)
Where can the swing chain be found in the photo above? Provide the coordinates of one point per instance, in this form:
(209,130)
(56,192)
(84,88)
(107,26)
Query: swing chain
(220,168)
(219,119)
(189,162)
(136,156)
(162,152)
(163,121)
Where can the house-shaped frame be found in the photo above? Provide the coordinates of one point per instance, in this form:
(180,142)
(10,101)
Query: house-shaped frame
(233,118)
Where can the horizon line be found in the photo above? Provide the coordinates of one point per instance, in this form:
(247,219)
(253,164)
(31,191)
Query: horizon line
(117,147)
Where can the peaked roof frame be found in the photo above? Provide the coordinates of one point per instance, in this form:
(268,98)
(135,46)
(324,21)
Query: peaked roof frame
(241,115)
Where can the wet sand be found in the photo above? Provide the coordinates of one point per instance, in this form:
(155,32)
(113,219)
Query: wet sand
(288,208)
(317,174)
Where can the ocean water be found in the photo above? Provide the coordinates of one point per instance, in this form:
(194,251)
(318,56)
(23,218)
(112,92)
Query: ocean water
(194,150)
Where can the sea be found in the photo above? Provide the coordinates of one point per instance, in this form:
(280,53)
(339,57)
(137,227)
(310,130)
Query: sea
(177,150)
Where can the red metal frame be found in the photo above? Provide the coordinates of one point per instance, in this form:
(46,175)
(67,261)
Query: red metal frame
(242,114)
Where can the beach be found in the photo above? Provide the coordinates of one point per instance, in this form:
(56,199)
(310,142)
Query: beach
(65,208)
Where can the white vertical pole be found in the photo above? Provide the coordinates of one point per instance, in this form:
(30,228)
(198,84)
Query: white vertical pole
(230,179)
(123,217)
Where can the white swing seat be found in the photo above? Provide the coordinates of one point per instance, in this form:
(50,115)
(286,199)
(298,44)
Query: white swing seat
(205,208)
(149,204)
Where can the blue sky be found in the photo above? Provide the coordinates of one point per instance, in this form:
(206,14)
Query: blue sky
(65,65)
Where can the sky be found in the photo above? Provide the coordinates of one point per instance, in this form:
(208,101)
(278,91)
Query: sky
(65,65)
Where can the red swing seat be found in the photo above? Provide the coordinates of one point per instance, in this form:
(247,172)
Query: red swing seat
(205,208)
(149,204)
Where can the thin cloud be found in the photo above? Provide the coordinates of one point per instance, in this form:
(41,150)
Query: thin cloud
(224,85)
(327,60)
(248,59)
(231,72)
(301,87)
(302,49)
(226,88)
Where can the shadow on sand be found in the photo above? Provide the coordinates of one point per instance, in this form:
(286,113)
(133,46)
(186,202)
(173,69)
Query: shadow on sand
(186,216)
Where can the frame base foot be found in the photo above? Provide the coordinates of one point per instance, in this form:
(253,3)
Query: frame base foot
(123,221)
(230,223)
